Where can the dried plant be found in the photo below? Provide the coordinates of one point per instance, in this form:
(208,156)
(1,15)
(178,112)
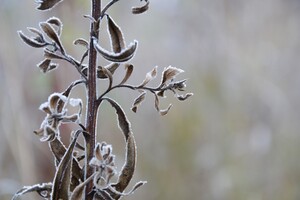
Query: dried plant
(92,179)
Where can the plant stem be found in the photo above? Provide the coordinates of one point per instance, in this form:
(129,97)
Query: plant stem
(92,106)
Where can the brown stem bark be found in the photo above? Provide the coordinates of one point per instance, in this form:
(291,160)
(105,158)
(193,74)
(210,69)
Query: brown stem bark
(92,106)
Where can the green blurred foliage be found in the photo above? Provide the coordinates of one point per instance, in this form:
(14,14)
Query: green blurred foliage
(236,138)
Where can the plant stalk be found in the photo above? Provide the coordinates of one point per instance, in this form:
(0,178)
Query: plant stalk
(92,106)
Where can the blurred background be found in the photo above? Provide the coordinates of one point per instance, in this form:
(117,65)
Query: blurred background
(236,138)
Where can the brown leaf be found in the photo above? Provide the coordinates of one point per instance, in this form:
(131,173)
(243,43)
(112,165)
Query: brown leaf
(81,42)
(40,36)
(51,55)
(47,4)
(129,69)
(169,73)
(116,35)
(111,68)
(165,111)
(149,76)
(61,182)
(184,97)
(30,41)
(108,74)
(56,21)
(123,122)
(138,101)
(128,168)
(52,34)
(44,65)
(123,56)
(44,190)
(78,191)
(162,112)
(142,9)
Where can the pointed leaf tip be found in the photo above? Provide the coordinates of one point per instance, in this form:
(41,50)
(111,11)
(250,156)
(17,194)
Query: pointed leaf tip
(47,4)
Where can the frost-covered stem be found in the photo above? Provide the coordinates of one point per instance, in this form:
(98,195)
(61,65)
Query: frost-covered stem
(92,106)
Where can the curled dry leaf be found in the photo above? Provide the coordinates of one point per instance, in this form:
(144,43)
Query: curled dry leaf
(78,191)
(129,166)
(81,42)
(51,55)
(108,74)
(138,101)
(46,65)
(123,56)
(169,73)
(184,97)
(116,35)
(56,21)
(61,182)
(44,190)
(142,9)
(47,4)
(111,68)
(31,41)
(52,34)
(129,69)
(156,104)
(149,77)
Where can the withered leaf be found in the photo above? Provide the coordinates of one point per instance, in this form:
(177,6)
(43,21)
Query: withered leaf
(123,56)
(156,104)
(82,42)
(184,97)
(40,36)
(52,34)
(111,68)
(169,73)
(78,191)
(149,76)
(165,111)
(108,74)
(61,182)
(58,150)
(56,21)
(128,168)
(44,190)
(51,55)
(138,101)
(30,41)
(116,35)
(47,4)
(123,122)
(44,65)
(142,9)
(129,69)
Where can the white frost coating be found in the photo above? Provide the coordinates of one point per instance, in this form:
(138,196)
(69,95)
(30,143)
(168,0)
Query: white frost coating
(75,102)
